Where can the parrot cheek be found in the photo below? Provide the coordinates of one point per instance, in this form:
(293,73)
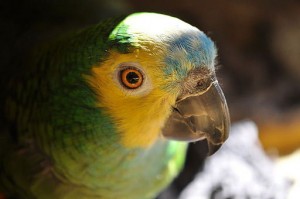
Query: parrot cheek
(200,116)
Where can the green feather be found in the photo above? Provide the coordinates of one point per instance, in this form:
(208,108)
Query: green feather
(58,143)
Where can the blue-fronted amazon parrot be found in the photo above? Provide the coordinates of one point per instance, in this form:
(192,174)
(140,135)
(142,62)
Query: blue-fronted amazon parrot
(107,111)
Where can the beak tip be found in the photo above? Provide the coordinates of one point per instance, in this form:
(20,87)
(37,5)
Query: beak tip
(212,148)
(217,136)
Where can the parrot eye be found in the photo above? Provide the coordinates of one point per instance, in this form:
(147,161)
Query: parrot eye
(131,78)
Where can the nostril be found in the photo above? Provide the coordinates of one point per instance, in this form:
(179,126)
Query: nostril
(203,84)
(200,84)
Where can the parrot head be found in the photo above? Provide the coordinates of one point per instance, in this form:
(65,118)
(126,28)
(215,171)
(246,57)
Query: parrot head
(158,81)
(92,113)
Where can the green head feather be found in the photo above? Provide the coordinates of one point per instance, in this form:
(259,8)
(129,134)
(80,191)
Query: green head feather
(65,142)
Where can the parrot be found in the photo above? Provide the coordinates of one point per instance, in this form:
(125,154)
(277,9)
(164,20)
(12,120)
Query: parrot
(107,111)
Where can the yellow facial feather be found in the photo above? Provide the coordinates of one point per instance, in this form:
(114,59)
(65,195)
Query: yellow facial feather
(138,117)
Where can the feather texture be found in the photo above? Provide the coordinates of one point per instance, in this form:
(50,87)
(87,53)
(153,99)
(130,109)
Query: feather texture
(73,131)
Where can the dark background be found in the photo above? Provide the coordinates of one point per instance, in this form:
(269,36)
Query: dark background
(259,53)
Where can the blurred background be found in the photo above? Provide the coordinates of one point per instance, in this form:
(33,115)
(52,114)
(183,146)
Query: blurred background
(258,64)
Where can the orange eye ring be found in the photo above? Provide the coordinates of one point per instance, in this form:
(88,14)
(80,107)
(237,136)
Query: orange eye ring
(131,78)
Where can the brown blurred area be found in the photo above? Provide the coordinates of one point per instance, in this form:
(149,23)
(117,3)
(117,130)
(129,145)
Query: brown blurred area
(259,59)
(258,45)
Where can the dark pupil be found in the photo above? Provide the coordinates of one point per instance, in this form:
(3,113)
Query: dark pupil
(132,77)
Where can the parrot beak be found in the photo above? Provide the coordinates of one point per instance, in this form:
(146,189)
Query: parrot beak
(200,116)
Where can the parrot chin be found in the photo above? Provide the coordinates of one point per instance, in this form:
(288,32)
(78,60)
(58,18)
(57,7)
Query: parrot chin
(198,116)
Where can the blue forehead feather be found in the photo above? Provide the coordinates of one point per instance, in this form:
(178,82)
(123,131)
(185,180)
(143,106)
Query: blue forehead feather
(193,48)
